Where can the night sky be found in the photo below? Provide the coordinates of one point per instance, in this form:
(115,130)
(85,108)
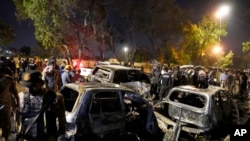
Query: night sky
(24,30)
(238,21)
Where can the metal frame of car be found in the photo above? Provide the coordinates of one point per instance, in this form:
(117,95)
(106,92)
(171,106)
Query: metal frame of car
(83,104)
(184,117)
(107,74)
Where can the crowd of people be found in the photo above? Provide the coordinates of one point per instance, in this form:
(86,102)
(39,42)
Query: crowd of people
(165,78)
(39,112)
(41,106)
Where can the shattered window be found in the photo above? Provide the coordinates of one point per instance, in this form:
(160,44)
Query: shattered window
(104,74)
(107,101)
(70,97)
(120,76)
(123,76)
(188,98)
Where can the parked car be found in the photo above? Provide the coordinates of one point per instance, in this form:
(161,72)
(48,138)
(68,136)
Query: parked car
(117,74)
(196,114)
(106,111)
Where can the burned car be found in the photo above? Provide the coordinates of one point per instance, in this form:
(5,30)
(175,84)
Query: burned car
(106,111)
(191,113)
(117,74)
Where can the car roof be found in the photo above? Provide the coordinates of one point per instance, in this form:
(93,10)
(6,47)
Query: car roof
(115,67)
(95,85)
(211,90)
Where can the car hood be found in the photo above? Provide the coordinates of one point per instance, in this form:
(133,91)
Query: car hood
(141,88)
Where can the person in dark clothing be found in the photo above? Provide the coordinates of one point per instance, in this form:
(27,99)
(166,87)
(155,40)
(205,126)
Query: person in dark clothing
(243,86)
(32,65)
(77,78)
(202,81)
(212,76)
(18,67)
(42,110)
(176,76)
(24,65)
(8,97)
(230,82)
(11,64)
(154,89)
(165,83)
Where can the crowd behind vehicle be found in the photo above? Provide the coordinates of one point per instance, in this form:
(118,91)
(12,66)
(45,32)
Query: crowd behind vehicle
(235,81)
(40,74)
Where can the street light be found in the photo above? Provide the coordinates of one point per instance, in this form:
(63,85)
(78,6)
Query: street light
(217,50)
(125,51)
(222,12)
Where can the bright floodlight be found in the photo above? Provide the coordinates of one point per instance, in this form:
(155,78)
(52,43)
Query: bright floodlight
(125,49)
(217,49)
(223,11)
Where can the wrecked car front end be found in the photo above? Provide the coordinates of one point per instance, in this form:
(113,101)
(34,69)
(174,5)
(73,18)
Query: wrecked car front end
(192,114)
(105,111)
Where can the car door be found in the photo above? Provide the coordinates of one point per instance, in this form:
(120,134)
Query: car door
(106,112)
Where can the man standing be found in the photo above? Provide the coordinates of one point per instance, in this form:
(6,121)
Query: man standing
(202,79)
(165,83)
(223,79)
(67,75)
(40,110)
(52,76)
(154,89)
(8,98)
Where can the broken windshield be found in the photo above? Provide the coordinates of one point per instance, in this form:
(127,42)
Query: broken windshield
(188,98)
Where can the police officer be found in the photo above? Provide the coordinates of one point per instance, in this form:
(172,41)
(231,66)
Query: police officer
(165,83)
(154,89)
(40,109)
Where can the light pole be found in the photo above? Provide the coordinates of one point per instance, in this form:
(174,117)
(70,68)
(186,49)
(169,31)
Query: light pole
(222,12)
(125,51)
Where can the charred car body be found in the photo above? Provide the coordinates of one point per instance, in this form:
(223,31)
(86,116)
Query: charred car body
(195,114)
(129,77)
(105,111)
(117,74)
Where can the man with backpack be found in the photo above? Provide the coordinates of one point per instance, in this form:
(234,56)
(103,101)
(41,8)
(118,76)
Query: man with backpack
(40,110)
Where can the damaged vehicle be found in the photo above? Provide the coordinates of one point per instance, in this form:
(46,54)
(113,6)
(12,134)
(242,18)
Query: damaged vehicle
(140,87)
(117,74)
(129,77)
(190,113)
(106,111)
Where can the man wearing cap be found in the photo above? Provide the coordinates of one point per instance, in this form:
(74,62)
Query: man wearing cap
(40,110)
